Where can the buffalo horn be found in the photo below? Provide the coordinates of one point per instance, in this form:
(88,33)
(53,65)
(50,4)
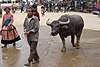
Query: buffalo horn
(65,22)
(48,23)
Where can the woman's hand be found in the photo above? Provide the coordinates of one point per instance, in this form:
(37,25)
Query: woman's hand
(9,24)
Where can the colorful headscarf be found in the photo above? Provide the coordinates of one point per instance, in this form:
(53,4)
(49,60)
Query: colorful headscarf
(7,8)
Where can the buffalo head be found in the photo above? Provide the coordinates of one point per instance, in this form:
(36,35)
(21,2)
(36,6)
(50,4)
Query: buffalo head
(56,25)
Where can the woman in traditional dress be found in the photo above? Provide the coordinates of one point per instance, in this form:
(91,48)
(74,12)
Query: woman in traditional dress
(9,32)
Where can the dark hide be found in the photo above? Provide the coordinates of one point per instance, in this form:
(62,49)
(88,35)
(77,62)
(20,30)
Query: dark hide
(73,28)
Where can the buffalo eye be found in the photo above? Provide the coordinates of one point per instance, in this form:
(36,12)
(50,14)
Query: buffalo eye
(57,25)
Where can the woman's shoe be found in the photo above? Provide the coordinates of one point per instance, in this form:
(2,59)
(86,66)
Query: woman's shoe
(14,44)
(3,46)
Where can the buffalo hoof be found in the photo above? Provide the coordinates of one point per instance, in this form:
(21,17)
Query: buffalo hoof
(74,46)
(77,47)
(27,64)
(64,49)
(37,61)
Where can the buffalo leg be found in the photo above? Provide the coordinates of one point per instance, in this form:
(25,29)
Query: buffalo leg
(64,48)
(78,40)
(72,40)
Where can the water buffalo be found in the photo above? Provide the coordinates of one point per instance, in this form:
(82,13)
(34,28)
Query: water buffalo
(67,25)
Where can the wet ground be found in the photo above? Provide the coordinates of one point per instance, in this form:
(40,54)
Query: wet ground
(49,48)
(49,51)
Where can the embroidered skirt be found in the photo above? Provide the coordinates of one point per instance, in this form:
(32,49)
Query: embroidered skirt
(9,36)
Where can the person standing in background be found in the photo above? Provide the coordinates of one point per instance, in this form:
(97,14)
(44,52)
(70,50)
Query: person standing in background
(27,3)
(42,9)
(22,6)
(36,13)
